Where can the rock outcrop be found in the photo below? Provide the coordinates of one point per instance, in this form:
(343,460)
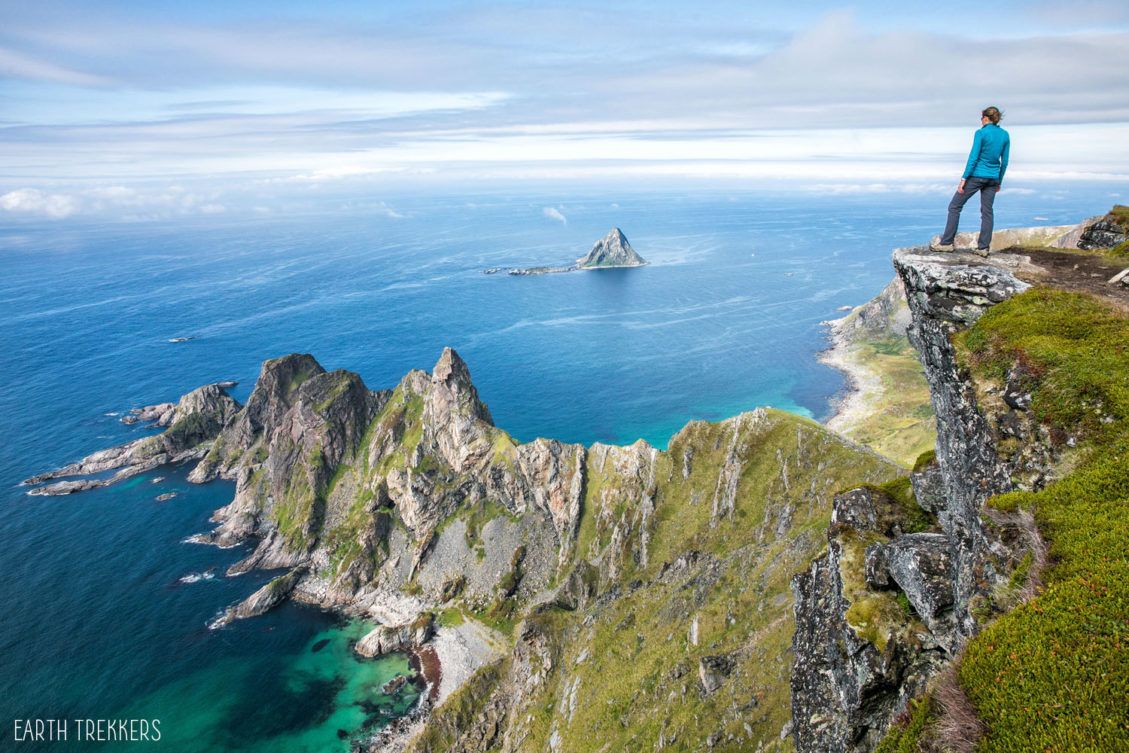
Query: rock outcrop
(397,639)
(195,420)
(609,252)
(908,577)
(1105,231)
(612,250)
(262,601)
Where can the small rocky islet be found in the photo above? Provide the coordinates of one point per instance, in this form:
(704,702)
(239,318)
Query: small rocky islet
(554,594)
(613,251)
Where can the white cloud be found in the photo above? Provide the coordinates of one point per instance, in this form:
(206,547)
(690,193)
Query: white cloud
(17,65)
(546,93)
(555,214)
(36,202)
(150,203)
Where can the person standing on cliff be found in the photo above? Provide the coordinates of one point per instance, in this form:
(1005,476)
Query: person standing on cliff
(984,173)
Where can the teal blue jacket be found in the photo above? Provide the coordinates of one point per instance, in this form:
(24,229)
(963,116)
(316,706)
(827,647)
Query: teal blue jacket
(988,158)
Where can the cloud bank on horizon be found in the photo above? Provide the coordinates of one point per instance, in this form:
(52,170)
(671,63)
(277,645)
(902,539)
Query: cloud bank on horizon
(120,109)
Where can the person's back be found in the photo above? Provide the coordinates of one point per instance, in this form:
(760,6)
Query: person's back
(990,161)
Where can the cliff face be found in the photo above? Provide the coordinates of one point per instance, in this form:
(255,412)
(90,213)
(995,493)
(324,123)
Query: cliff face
(670,628)
(904,587)
(632,595)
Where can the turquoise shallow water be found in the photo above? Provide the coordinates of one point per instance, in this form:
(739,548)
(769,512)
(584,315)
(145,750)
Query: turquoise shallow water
(97,622)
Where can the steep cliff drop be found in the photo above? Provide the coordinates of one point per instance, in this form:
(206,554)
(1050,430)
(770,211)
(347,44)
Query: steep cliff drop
(910,579)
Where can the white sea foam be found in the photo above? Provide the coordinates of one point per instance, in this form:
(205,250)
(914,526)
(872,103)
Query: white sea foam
(197,577)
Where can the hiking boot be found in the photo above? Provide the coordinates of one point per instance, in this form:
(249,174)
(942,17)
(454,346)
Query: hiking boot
(943,248)
(982,252)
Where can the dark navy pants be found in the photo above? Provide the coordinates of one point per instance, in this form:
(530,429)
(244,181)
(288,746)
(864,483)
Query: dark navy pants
(987,188)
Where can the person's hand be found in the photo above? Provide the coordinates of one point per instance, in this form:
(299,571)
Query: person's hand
(960,188)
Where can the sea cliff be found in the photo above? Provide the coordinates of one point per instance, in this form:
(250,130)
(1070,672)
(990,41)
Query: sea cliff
(590,598)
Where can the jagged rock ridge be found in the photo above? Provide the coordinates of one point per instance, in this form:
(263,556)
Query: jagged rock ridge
(402,503)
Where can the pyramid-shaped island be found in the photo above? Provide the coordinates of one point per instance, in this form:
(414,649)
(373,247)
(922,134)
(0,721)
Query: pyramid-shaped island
(612,250)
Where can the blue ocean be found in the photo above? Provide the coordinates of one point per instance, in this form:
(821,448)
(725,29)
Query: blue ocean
(104,606)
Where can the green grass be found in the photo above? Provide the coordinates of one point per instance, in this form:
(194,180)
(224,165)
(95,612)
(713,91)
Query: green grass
(639,677)
(1053,674)
(446,723)
(906,734)
(900,423)
(1120,215)
(1075,347)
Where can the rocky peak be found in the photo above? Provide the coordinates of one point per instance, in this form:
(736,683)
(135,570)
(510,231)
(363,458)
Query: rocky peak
(211,399)
(455,421)
(451,383)
(612,250)
(278,383)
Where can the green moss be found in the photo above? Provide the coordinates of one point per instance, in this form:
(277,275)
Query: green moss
(343,381)
(451,617)
(907,733)
(1120,215)
(307,367)
(1053,674)
(924,460)
(875,616)
(190,430)
(498,616)
(1075,349)
(402,418)
(302,501)
(477,515)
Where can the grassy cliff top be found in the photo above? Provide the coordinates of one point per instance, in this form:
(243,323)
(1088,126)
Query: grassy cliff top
(1053,674)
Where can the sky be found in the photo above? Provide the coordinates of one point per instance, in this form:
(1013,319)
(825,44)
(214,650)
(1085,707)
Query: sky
(147,109)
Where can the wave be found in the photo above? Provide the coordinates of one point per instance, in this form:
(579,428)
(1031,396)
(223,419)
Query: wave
(208,574)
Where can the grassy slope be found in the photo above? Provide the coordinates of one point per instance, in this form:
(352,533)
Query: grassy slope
(901,425)
(1053,674)
(639,676)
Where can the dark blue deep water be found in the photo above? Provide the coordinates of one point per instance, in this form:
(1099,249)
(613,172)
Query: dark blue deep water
(96,622)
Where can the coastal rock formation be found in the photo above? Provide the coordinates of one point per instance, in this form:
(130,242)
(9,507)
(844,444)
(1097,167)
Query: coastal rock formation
(156,415)
(196,419)
(609,252)
(262,601)
(911,573)
(612,250)
(399,639)
(399,504)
